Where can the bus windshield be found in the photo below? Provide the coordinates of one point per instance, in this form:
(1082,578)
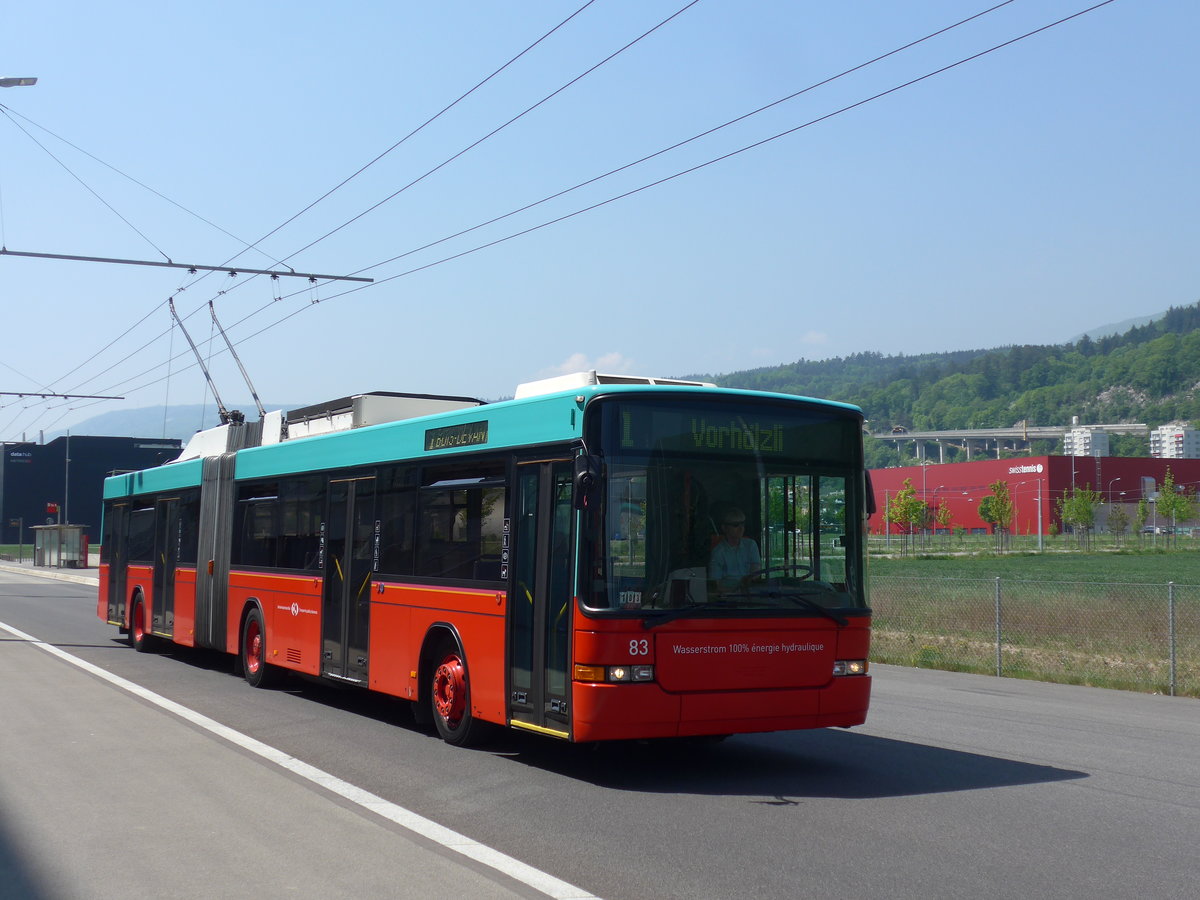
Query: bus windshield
(728,506)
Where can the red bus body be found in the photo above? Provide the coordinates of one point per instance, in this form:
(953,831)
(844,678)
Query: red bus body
(616,659)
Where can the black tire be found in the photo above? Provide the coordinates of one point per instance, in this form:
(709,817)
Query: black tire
(255,668)
(140,638)
(449,695)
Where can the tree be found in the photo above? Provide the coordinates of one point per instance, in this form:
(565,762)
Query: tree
(907,511)
(1077,510)
(997,510)
(1118,522)
(1175,504)
(1140,517)
(942,517)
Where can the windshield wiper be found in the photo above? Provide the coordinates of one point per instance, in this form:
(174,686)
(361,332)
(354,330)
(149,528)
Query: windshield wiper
(655,618)
(660,617)
(809,603)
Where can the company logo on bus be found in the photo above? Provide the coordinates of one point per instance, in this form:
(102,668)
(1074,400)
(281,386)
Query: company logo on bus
(295,609)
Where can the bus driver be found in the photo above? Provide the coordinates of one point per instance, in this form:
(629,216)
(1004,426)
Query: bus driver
(735,556)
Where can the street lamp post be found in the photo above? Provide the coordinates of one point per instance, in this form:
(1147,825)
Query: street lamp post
(1041,542)
(1109,493)
(17,82)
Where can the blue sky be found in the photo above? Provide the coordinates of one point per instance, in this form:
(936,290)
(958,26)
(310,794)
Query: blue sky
(1041,190)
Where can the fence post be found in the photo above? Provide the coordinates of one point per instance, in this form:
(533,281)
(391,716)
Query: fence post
(999,633)
(1171,629)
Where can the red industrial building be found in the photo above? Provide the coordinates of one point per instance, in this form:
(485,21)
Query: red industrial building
(1035,483)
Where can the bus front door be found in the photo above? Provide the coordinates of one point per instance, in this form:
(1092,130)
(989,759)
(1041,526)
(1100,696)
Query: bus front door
(541,598)
(350,541)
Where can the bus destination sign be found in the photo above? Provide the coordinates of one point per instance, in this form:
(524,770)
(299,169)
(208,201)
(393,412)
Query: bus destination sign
(456,436)
(729,431)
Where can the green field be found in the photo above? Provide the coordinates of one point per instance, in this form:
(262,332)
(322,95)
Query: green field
(1118,619)
(1126,620)
(1129,566)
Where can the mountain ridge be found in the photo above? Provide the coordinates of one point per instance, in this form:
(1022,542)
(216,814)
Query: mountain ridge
(1147,372)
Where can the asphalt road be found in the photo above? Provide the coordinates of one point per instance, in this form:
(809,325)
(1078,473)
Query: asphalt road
(958,785)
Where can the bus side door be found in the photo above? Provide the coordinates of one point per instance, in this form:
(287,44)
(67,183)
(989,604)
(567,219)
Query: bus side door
(541,596)
(116,527)
(350,540)
(166,558)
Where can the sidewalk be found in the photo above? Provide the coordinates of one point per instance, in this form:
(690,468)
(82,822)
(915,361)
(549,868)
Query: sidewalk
(26,567)
(102,795)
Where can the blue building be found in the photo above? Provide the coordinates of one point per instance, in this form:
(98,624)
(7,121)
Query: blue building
(67,476)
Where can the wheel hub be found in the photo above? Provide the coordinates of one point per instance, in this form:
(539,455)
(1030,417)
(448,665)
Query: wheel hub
(450,690)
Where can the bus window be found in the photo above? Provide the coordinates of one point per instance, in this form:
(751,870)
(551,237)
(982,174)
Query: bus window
(189,528)
(256,526)
(301,507)
(461,530)
(396,498)
(141,536)
(707,506)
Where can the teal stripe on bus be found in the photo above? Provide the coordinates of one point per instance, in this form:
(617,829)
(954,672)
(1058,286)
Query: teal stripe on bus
(168,477)
(529,422)
(515,423)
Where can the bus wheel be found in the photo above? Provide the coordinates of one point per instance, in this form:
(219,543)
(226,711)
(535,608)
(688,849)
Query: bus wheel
(139,638)
(450,698)
(259,673)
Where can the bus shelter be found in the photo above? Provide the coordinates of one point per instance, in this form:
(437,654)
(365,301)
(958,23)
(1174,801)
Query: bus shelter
(60,546)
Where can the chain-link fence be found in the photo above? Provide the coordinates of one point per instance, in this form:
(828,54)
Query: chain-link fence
(1142,637)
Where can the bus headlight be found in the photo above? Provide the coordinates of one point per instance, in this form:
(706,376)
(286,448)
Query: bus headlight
(850,667)
(621,674)
(614,674)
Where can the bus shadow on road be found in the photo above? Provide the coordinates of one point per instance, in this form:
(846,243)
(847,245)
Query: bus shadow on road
(16,876)
(782,769)
(779,769)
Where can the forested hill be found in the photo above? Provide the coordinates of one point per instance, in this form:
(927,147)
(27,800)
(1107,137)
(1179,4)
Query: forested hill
(1150,373)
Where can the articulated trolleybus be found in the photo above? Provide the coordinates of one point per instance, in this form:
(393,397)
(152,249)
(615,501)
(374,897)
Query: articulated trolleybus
(602,557)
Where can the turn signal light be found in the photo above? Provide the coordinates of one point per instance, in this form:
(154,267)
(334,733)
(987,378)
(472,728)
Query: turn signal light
(850,667)
(589,673)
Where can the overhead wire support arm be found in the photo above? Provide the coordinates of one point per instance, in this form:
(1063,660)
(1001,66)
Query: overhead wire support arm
(221,410)
(191,267)
(253,393)
(57,396)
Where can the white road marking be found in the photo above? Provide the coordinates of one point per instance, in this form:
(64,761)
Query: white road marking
(405,818)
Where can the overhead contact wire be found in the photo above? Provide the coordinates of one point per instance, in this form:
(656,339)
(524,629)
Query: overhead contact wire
(660,181)
(499,128)
(328,193)
(86,186)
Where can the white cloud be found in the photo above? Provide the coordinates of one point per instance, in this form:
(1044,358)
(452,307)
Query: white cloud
(608,363)
(814,337)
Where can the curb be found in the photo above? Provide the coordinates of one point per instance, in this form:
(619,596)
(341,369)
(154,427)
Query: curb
(54,574)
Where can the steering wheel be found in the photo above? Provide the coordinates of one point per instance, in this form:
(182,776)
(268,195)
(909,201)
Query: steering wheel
(788,570)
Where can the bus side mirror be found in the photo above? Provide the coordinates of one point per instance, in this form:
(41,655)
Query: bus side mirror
(587,481)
